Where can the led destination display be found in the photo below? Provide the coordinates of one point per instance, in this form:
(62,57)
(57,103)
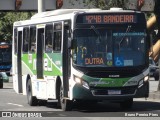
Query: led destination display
(106,19)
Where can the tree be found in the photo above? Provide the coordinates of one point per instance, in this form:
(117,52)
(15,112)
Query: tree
(6,23)
(106,4)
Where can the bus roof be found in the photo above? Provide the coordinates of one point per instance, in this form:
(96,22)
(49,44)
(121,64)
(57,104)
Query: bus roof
(61,12)
(68,11)
(65,14)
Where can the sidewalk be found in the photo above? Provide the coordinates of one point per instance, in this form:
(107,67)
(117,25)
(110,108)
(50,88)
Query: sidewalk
(154,95)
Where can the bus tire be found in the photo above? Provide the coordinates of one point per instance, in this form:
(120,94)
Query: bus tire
(32,100)
(127,104)
(66,105)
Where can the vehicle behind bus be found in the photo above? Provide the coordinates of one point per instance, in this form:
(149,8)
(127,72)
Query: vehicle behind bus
(5,57)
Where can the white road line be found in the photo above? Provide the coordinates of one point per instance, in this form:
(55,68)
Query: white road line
(15,104)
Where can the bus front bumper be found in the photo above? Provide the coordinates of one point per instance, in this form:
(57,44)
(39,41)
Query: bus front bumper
(110,93)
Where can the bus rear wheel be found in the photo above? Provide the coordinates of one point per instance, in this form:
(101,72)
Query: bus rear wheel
(66,105)
(127,104)
(32,100)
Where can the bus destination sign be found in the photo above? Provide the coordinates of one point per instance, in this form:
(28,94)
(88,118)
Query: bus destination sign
(107,19)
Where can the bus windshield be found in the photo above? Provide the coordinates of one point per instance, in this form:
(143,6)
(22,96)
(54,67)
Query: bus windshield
(106,47)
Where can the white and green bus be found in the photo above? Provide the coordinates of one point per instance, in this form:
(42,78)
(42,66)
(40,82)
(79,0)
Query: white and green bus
(73,55)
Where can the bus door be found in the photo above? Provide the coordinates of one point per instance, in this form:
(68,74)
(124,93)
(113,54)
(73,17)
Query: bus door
(66,61)
(40,41)
(19,63)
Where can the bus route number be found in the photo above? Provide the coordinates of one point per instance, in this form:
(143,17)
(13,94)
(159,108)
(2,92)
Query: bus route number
(109,19)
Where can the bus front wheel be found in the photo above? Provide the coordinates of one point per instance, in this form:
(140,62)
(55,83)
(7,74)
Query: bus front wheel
(66,105)
(32,100)
(126,104)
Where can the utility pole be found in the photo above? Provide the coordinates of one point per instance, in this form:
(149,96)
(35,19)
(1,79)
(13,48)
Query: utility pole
(41,6)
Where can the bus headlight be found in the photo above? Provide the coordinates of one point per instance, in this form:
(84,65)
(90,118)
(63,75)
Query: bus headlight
(78,80)
(141,82)
(81,82)
(146,78)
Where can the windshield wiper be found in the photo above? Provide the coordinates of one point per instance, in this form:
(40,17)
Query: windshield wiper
(127,30)
(97,33)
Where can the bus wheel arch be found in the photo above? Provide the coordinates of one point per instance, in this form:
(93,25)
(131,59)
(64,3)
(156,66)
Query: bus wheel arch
(32,100)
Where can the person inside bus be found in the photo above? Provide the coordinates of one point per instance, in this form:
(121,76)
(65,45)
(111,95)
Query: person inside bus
(79,51)
(83,51)
(33,47)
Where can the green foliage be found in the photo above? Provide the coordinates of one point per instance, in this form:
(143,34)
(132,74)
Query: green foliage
(6,23)
(106,4)
(116,3)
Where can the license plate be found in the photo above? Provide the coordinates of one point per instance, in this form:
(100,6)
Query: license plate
(114,92)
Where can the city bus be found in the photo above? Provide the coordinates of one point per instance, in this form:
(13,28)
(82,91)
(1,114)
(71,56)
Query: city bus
(5,57)
(81,55)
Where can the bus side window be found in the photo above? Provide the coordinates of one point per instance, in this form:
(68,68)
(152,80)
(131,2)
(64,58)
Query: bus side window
(32,45)
(57,37)
(48,38)
(57,41)
(25,39)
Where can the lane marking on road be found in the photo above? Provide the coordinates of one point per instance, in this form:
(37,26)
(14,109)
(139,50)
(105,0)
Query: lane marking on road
(15,104)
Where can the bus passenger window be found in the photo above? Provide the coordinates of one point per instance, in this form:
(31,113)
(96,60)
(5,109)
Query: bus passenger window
(32,45)
(25,39)
(48,38)
(57,41)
